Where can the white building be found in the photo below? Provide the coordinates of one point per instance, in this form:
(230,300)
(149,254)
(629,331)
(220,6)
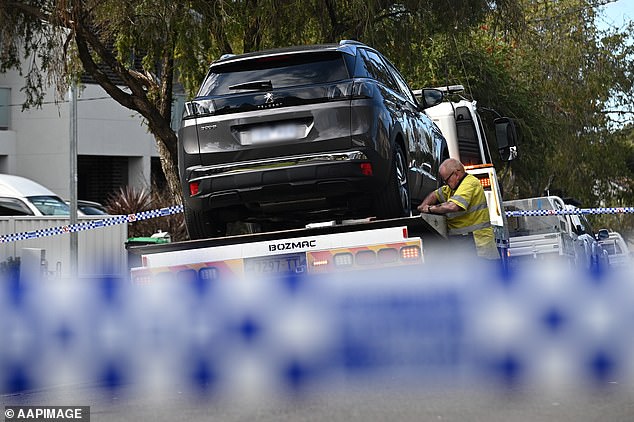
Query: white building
(114,147)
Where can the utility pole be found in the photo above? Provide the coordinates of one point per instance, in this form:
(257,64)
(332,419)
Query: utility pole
(73,181)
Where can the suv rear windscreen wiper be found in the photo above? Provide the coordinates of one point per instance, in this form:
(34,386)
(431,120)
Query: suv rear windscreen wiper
(253,85)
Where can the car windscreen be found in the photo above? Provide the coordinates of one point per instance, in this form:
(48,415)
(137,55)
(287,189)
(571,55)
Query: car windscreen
(271,72)
(50,205)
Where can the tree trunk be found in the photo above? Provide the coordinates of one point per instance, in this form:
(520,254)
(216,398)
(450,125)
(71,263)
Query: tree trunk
(158,123)
(170,170)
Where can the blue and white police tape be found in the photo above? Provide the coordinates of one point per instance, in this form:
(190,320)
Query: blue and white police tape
(543,329)
(575,211)
(92,224)
(176,209)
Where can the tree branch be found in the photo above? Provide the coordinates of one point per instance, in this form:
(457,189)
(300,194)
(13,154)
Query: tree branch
(28,9)
(91,68)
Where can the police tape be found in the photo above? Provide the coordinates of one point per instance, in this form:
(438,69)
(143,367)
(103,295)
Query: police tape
(145,215)
(575,211)
(92,224)
(547,328)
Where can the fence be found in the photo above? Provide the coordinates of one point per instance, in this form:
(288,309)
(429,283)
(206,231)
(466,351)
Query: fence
(100,251)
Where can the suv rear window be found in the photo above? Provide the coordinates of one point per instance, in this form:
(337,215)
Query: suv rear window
(282,71)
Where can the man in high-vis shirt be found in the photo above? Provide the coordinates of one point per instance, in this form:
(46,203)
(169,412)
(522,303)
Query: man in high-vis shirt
(462,200)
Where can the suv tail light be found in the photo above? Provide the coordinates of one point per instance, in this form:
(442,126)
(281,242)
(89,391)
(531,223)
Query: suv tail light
(362,89)
(198,108)
(340,91)
(366,169)
(194,188)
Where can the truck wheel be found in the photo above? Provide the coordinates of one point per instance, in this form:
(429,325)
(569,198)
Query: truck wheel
(394,200)
(200,226)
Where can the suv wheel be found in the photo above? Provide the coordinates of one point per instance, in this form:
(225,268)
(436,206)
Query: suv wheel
(394,201)
(200,226)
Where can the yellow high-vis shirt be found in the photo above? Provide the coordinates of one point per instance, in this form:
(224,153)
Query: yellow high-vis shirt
(474,217)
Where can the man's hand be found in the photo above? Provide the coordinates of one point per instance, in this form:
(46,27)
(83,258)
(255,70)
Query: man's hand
(424,208)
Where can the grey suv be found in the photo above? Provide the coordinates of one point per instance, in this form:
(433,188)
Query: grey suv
(296,135)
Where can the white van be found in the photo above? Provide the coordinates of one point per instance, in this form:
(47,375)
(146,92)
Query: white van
(21,196)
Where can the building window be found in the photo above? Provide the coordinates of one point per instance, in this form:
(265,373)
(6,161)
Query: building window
(5,108)
(99,176)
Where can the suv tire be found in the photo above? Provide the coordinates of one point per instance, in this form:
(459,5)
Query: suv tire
(394,200)
(200,226)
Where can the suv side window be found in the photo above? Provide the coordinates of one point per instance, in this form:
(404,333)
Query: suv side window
(402,85)
(376,68)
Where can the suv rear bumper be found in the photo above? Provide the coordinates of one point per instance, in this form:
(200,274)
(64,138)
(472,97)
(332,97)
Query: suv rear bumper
(277,180)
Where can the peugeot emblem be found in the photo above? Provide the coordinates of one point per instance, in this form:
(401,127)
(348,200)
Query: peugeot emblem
(268,97)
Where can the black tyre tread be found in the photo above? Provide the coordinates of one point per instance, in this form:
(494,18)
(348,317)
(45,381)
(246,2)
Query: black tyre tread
(199,225)
(387,202)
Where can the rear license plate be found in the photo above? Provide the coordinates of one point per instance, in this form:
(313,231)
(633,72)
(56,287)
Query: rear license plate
(277,264)
(266,134)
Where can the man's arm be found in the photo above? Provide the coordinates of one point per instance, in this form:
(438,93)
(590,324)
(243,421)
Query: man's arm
(430,205)
(430,199)
(444,208)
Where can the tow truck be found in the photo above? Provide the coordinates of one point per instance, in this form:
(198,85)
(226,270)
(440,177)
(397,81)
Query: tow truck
(318,249)
(461,125)
(348,245)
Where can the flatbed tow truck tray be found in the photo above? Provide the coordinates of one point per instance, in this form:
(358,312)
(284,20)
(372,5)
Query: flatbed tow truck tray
(431,227)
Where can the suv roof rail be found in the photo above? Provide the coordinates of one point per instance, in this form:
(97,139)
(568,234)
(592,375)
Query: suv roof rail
(350,42)
(226,56)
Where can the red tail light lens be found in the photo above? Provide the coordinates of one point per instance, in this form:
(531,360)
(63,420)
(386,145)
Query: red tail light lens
(366,169)
(193,188)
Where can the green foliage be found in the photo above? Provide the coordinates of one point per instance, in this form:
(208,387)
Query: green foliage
(128,200)
(572,77)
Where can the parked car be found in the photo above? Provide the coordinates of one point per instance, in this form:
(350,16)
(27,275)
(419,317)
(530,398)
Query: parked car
(22,196)
(617,249)
(89,207)
(305,134)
